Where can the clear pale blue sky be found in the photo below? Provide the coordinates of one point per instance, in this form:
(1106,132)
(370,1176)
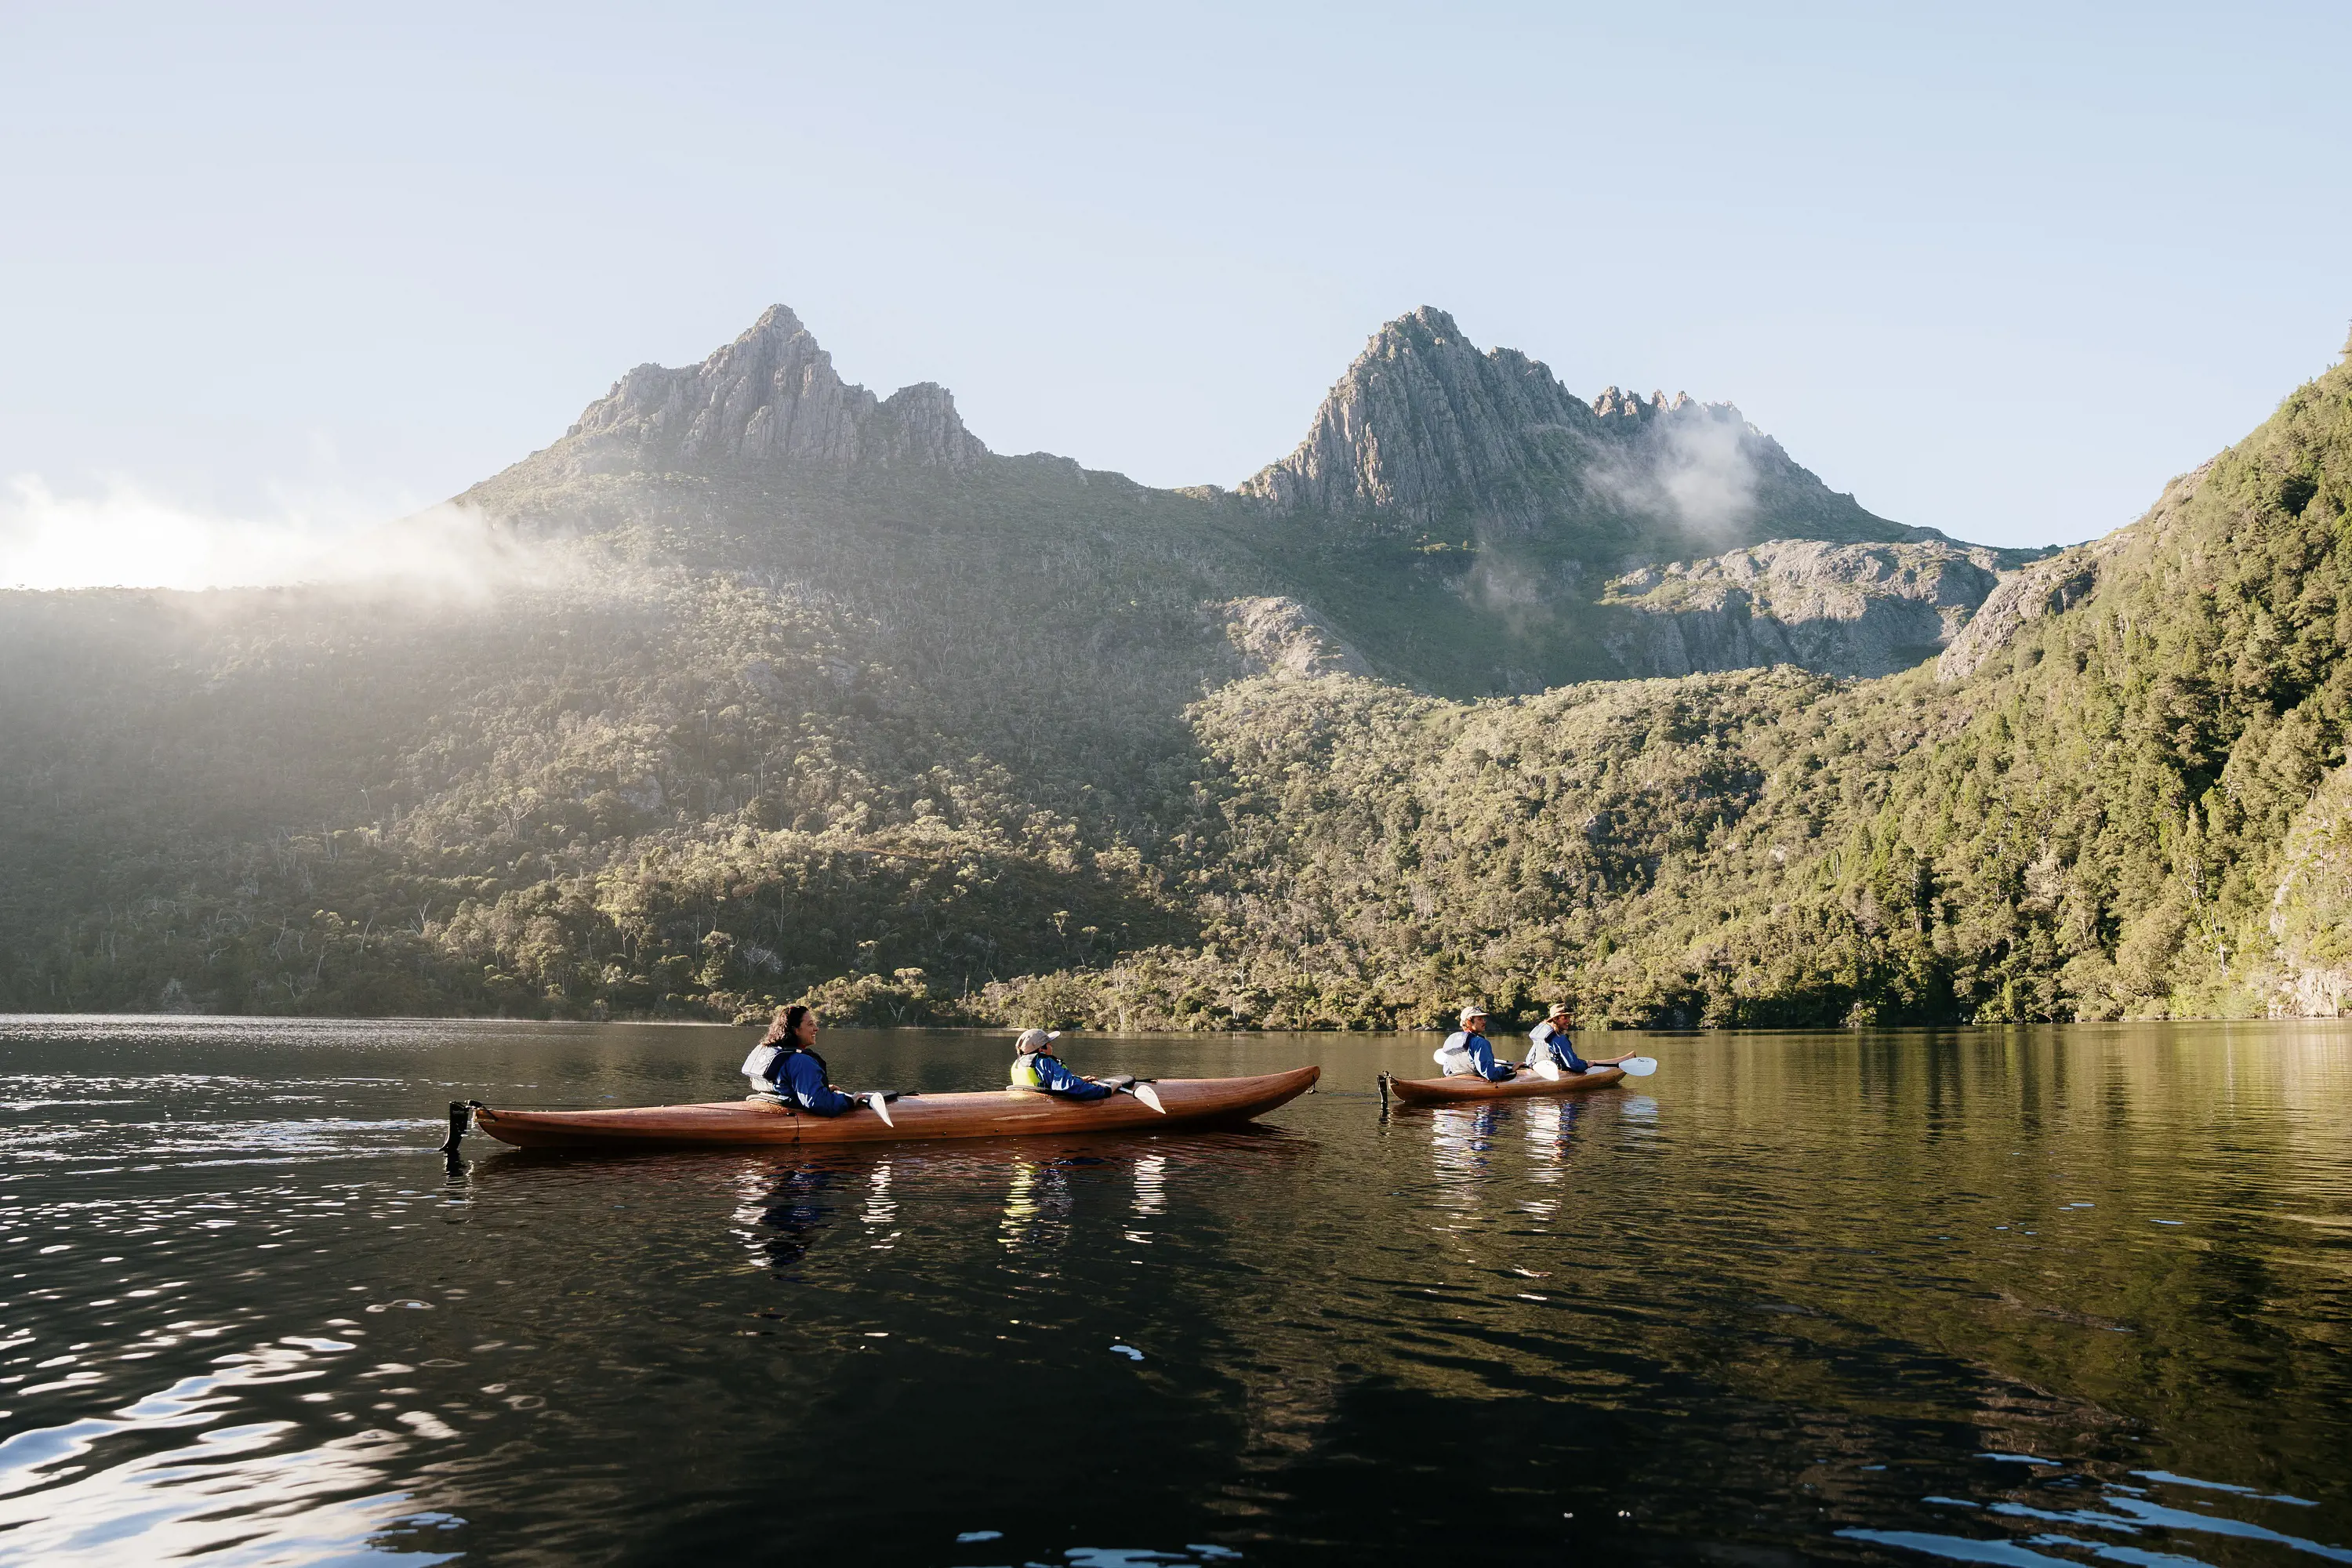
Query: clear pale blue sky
(2000,270)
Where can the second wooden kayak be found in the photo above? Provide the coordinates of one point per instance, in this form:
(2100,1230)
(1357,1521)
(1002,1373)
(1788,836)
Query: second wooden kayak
(1437,1090)
(1006,1114)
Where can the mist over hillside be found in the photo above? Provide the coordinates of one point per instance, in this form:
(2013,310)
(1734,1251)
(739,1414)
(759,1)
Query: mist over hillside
(788,689)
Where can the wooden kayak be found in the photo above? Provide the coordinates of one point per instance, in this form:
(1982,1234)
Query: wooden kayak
(1006,1114)
(1439,1090)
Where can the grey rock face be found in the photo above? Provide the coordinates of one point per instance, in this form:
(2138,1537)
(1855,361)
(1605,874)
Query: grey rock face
(1424,428)
(2044,588)
(1279,635)
(1421,420)
(2057,584)
(1840,609)
(769,402)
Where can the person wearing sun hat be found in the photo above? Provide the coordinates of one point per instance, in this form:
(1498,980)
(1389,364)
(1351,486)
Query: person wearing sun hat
(1034,1066)
(1548,1052)
(1468,1051)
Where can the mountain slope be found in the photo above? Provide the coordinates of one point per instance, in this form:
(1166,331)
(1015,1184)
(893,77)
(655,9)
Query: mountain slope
(2131,804)
(811,694)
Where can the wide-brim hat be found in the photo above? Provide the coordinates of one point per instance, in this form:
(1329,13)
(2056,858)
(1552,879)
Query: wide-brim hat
(1472,1011)
(1557,1008)
(1035,1040)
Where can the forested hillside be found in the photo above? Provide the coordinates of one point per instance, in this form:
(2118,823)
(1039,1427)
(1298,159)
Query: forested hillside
(796,691)
(2134,806)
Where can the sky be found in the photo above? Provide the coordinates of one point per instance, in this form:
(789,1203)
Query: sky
(278,273)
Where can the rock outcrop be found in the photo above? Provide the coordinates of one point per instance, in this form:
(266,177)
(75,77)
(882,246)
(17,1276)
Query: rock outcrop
(2058,582)
(1279,635)
(1840,609)
(2043,588)
(770,402)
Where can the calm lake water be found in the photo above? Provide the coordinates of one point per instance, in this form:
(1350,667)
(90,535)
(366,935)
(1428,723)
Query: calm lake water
(1999,1296)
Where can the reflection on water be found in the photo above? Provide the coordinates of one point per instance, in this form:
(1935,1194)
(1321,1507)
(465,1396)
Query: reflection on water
(263,1490)
(785,1209)
(881,1212)
(1037,1205)
(2000,1296)
(1461,1139)
(2094,1513)
(1150,1184)
(1151,1197)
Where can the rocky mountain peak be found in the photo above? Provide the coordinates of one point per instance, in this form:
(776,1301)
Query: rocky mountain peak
(769,402)
(1424,429)
(1423,423)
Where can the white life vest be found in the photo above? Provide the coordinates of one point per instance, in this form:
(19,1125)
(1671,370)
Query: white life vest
(756,1068)
(1453,1056)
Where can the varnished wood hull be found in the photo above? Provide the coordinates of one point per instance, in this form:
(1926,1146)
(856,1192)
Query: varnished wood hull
(1009,1113)
(1441,1090)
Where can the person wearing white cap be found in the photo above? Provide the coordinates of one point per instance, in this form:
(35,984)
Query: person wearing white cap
(1548,1052)
(1034,1066)
(1468,1051)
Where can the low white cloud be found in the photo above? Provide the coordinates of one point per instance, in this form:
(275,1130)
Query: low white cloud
(1693,468)
(1705,473)
(125,537)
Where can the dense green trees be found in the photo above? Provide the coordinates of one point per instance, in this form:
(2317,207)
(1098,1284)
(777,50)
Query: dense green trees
(679,791)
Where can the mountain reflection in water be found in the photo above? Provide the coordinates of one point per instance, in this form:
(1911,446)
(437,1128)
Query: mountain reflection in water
(2006,1295)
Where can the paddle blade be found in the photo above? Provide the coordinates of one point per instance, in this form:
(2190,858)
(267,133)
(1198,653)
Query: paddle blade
(881,1108)
(1150,1096)
(1639,1067)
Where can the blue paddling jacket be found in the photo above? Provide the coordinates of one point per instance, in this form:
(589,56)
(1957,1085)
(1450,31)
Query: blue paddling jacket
(1466,1053)
(1544,1040)
(799,1076)
(1039,1070)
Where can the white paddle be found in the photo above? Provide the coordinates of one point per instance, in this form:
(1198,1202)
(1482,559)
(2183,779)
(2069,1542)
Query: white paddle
(1141,1088)
(1639,1067)
(880,1107)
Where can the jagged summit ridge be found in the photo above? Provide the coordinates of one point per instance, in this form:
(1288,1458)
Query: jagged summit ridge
(769,402)
(1424,425)
(1420,420)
